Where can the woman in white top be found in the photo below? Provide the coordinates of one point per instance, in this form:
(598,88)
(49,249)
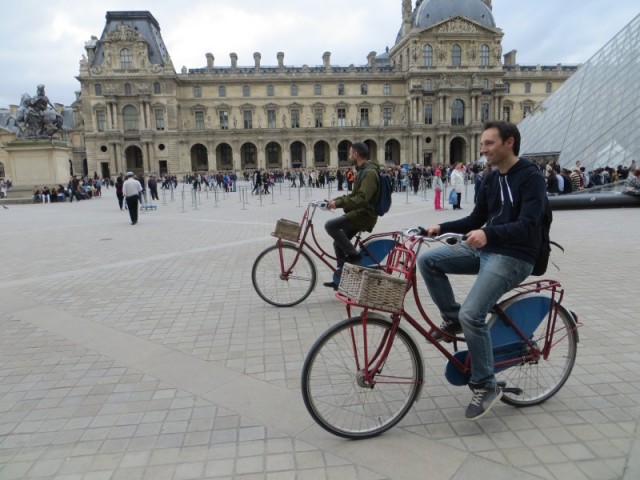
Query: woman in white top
(457,183)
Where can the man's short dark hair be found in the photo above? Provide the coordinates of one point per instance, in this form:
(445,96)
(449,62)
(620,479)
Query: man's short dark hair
(506,130)
(362,149)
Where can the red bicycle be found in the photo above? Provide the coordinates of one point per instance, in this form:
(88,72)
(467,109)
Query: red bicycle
(284,274)
(362,375)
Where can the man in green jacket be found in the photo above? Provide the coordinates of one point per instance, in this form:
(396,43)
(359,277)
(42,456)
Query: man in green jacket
(359,214)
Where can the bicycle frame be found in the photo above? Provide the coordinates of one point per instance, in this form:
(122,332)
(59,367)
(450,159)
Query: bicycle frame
(401,261)
(308,240)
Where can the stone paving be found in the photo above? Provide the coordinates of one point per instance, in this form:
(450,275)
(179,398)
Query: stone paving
(142,352)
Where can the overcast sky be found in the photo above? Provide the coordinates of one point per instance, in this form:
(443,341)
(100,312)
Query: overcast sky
(42,42)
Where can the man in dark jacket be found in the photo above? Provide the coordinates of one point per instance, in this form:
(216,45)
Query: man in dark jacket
(503,242)
(359,214)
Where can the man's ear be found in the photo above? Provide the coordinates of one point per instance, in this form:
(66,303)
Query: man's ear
(509,142)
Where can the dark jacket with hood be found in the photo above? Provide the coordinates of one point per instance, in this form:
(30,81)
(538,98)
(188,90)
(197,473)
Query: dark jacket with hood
(509,210)
(359,204)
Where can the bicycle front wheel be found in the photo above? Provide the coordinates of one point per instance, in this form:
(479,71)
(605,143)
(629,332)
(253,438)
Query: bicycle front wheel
(335,390)
(541,378)
(283,276)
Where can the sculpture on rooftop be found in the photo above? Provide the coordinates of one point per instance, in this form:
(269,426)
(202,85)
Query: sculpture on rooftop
(36,116)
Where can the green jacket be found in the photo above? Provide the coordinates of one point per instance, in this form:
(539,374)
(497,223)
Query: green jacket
(358,205)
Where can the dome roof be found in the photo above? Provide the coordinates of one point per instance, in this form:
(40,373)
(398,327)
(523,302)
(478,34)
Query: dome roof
(431,12)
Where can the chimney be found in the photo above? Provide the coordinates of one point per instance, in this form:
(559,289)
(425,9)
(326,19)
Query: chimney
(510,58)
(234,61)
(256,59)
(488,4)
(406,16)
(210,59)
(280,59)
(326,60)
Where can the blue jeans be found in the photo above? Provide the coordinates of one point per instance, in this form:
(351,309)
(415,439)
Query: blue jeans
(497,274)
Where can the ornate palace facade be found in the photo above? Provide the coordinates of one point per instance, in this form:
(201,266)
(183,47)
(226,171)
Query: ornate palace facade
(422,101)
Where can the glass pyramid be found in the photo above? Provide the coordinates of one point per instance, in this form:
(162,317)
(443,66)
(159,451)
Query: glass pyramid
(594,117)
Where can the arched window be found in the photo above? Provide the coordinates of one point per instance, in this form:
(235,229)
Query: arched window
(427,55)
(248,154)
(126,60)
(130,116)
(484,55)
(157,90)
(457,112)
(456,55)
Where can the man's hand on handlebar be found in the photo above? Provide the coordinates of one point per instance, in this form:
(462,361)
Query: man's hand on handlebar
(331,204)
(430,231)
(476,238)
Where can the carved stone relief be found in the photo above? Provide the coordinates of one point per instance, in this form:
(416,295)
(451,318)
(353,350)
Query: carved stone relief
(458,25)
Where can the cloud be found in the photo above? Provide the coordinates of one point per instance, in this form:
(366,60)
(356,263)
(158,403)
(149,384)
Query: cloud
(43,42)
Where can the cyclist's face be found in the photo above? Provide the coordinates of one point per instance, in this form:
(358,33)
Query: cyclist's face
(493,148)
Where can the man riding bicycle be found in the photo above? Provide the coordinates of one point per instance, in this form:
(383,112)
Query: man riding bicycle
(503,241)
(358,205)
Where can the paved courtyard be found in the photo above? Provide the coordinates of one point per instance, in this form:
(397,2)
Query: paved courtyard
(142,352)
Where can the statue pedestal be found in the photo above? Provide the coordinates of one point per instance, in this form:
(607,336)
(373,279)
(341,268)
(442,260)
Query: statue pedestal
(36,162)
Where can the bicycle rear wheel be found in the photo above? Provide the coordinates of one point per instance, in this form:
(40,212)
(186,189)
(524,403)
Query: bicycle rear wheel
(335,390)
(275,286)
(539,379)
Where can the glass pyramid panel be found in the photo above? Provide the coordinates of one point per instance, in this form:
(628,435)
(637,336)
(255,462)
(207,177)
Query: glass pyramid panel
(594,117)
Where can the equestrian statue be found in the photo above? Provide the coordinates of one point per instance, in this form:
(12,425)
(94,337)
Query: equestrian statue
(36,117)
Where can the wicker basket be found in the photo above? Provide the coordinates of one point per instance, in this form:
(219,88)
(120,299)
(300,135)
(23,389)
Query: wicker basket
(372,288)
(287,230)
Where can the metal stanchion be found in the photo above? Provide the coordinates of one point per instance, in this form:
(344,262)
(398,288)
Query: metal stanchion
(215,197)
(273,198)
(194,200)
(407,194)
(183,210)
(164,196)
(299,204)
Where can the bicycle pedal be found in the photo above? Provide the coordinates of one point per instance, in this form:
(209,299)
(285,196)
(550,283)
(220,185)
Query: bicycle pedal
(513,390)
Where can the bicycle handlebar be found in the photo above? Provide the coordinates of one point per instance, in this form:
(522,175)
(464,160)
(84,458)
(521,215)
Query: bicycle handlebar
(321,204)
(448,238)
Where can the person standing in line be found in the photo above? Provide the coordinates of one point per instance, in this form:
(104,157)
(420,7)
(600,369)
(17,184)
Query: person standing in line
(457,183)
(437,187)
(131,189)
(152,183)
(503,241)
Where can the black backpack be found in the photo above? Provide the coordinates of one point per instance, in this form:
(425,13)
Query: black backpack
(542,262)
